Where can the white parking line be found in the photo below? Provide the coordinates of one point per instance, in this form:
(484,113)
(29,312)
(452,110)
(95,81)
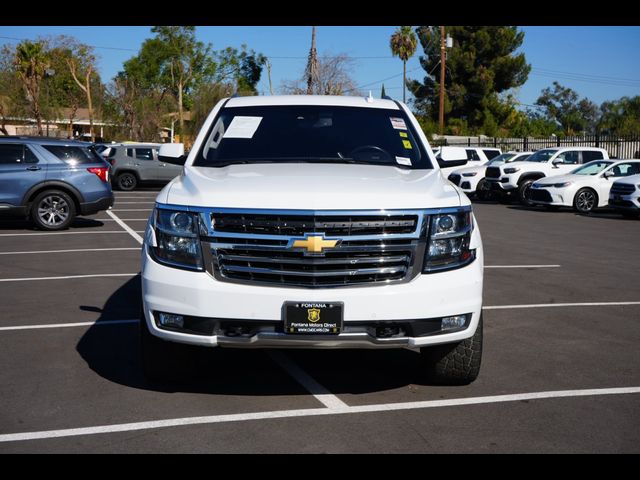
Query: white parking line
(67,325)
(243,417)
(72,251)
(130,210)
(127,219)
(126,227)
(545,305)
(63,233)
(320,393)
(68,277)
(134,203)
(522,266)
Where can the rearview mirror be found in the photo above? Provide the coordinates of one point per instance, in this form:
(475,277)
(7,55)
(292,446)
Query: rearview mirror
(172,153)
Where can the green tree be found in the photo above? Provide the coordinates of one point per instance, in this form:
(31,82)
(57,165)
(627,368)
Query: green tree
(403,44)
(30,63)
(186,62)
(564,106)
(621,117)
(13,102)
(482,65)
(243,68)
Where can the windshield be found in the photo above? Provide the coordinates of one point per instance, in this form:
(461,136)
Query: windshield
(503,158)
(592,168)
(541,156)
(312,133)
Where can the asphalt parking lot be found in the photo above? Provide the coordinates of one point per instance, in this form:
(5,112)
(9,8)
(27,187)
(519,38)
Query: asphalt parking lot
(560,373)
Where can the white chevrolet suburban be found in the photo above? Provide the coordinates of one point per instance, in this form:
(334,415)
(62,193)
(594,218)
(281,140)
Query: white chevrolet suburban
(312,222)
(625,196)
(517,177)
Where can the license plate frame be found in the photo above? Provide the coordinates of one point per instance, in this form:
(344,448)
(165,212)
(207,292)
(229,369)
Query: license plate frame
(298,318)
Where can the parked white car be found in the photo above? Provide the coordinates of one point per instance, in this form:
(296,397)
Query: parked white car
(471,180)
(312,221)
(625,196)
(517,177)
(474,155)
(585,188)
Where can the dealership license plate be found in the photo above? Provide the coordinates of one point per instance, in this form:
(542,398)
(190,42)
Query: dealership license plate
(313,318)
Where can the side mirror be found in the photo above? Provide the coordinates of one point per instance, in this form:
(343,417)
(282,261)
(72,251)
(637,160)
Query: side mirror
(608,173)
(556,162)
(452,157)
(172,153)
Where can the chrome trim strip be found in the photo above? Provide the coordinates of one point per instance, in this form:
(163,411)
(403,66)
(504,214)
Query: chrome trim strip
(316,260)
(342,340)
(320,273)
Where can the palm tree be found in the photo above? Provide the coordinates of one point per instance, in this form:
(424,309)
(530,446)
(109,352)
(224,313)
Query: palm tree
(403,44)
(31,62)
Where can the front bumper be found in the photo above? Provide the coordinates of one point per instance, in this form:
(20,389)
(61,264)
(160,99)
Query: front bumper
(630,203)
(502,184)
(198,294)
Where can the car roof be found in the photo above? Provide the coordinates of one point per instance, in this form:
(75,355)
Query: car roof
(558,149)
(326,100)
(42,140)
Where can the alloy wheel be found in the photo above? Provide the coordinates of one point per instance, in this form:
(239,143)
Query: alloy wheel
(53,210)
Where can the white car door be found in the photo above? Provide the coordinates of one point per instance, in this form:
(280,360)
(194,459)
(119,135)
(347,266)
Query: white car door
(565,162)
(619,170)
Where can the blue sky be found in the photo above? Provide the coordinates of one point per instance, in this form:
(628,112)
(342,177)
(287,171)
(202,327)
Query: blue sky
(600,63)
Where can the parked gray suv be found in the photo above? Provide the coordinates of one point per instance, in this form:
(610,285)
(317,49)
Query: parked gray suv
(51,181)
(133,164)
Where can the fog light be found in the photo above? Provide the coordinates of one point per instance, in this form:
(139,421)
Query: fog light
(452,323)
(171,320)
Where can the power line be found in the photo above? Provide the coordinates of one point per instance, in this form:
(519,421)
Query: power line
(93,46)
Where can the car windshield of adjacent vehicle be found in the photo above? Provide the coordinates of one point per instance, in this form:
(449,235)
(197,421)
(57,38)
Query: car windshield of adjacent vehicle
(541,156)
(592,168)
(312,134)
(503,158)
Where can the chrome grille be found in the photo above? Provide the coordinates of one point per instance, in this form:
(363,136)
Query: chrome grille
(245,247)
(619,188)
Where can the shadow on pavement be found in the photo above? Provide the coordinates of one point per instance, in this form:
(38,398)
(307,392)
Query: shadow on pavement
(112,351)
(13,223)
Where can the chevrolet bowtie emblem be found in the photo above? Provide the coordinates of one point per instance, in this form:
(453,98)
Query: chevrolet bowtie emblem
(314,243)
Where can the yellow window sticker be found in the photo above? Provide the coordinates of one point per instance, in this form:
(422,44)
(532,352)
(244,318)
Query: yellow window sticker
(407,144)
(404,134)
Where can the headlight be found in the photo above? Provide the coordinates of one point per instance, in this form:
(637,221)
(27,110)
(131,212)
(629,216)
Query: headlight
(177,239)
(472,174)
(511,170)
(449,240)
(561,185)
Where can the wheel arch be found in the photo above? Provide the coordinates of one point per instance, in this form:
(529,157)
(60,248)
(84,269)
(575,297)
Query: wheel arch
(70,190)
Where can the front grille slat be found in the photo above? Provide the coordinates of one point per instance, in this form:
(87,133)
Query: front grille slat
(373,248)
(354,260)
(316,273)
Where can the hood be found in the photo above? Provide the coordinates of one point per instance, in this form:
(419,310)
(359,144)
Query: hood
(562,179)
(479,169)
(522,165)
(310,186)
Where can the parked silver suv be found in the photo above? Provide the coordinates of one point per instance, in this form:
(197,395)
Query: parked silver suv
(133,164)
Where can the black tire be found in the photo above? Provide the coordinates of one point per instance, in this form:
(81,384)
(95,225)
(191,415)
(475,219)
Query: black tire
(53,210)
(127,181)
(455,363)
(585,201)
(523,192)
(164,361)
(483,190)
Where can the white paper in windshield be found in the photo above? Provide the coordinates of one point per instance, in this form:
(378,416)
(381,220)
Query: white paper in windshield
(398,123)
(242,127)
(403,160)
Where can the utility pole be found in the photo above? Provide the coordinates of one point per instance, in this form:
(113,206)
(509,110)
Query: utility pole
(443,55)
(269,73)
(312,70)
